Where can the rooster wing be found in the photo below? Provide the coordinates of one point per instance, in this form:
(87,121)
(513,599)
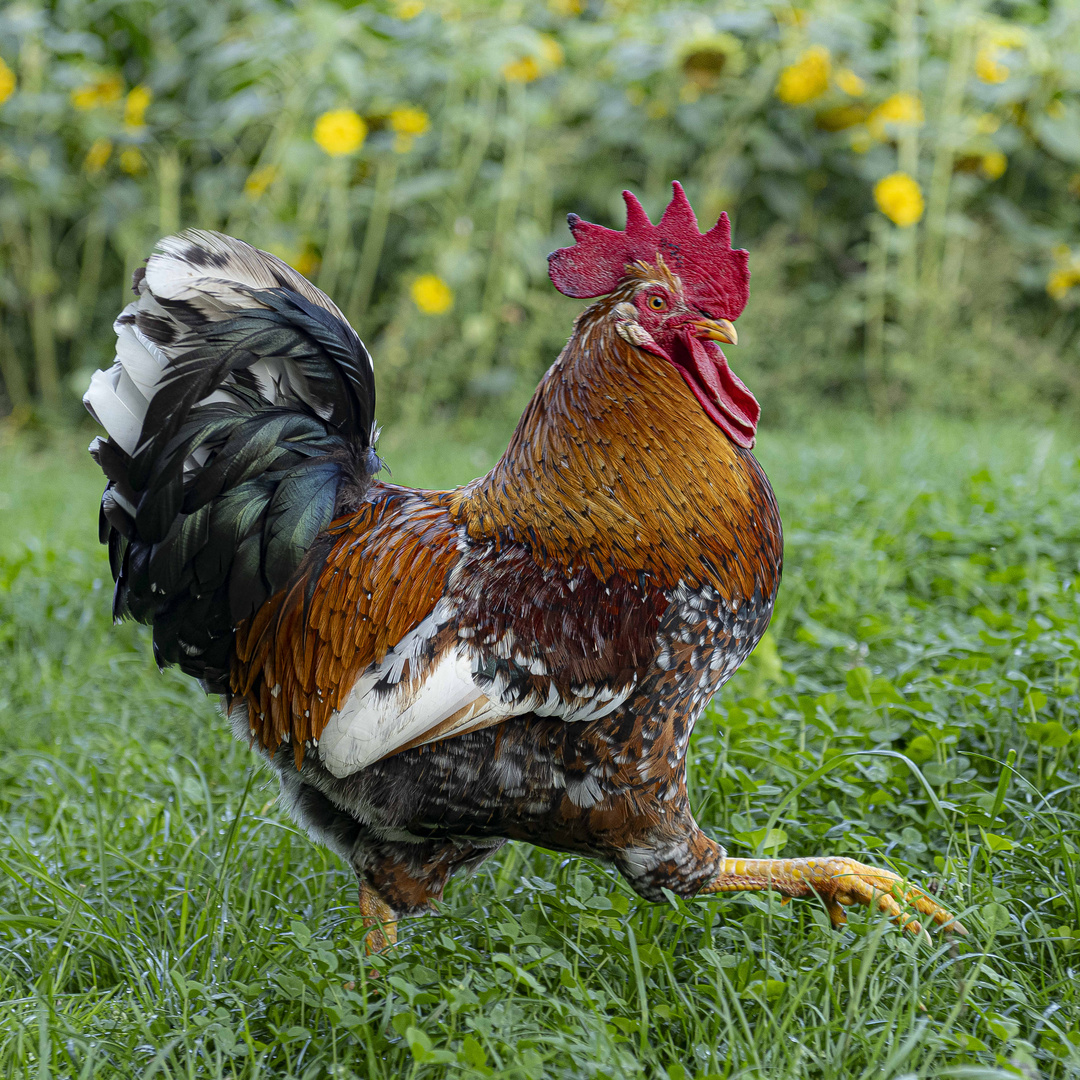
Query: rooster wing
(400,631)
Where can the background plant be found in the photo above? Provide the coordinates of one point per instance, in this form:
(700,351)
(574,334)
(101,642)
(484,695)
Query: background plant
(907,176)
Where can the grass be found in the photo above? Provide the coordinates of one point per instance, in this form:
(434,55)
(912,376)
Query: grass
(915,704)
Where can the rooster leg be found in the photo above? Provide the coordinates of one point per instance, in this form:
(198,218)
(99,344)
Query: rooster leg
(401,880)
(838,881)
(379,920)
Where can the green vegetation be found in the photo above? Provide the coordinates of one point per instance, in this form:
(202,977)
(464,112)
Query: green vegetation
(159,916)
(906,175)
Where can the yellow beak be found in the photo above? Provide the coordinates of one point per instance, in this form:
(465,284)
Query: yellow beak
(717,329)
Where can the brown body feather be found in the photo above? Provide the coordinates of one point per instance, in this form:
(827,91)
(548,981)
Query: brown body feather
(622,541)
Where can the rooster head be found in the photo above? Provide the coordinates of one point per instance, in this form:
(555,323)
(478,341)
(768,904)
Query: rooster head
(676,291)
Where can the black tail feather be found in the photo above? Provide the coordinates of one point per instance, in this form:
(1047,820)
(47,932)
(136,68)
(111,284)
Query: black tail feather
(257,424)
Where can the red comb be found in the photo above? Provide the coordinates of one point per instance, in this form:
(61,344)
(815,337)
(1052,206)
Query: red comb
(715,277)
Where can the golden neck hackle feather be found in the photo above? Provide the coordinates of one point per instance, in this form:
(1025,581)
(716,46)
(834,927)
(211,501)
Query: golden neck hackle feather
(614,462)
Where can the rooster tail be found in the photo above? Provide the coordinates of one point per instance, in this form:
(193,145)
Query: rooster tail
(240,421)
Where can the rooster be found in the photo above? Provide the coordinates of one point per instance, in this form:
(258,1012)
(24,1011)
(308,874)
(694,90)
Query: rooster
(432,673)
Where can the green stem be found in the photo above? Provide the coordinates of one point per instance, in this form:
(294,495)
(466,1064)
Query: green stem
(374,238)
(42,287)
(874,357)
(304,74)
(89,282)
(472,159)
(908,147)
(18,390)
(719,166)
(948,294)
(337,240)
(505,215)
(169,191)
(941,179)
(908,79)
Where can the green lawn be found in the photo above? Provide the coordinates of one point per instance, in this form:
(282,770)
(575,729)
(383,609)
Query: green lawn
(160,916)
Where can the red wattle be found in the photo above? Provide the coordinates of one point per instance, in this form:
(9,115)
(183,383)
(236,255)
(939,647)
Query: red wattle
(720,392)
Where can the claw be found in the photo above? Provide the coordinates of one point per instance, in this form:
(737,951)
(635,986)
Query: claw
(839,882)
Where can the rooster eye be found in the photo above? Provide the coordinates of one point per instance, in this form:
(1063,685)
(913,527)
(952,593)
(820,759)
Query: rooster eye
(657,303)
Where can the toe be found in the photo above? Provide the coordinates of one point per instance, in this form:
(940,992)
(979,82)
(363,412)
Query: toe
(853,883)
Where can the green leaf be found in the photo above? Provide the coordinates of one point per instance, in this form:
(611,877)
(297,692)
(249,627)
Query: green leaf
(858,683)
(472,1053)
(995,917)
(767,841)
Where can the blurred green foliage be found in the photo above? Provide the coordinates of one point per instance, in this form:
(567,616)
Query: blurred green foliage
(415,159)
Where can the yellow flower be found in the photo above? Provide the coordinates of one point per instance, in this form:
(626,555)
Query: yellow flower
(994,164)
(340,132)
(565,8)
(849,82)
(989,67)
(409,121)
(551,52)
(408,9)
(306,263)
(97,156)
(901,109)
(432,295)
(259,180)
(807,78)
(7,82)
(103,91)
(1062,280)
(85,97)
(138,100)
(899,198)
(131,160)
(1066,273)
(523,70)
(110,89)
(987,124)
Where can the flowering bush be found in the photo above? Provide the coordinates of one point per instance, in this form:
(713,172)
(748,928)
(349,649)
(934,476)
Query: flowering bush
(896,178)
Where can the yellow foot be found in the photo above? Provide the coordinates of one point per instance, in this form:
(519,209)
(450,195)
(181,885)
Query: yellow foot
(838,881)
(378,919)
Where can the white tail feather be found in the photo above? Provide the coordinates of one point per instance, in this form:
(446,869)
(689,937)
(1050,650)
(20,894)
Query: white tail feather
(172,275)
(214,274)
